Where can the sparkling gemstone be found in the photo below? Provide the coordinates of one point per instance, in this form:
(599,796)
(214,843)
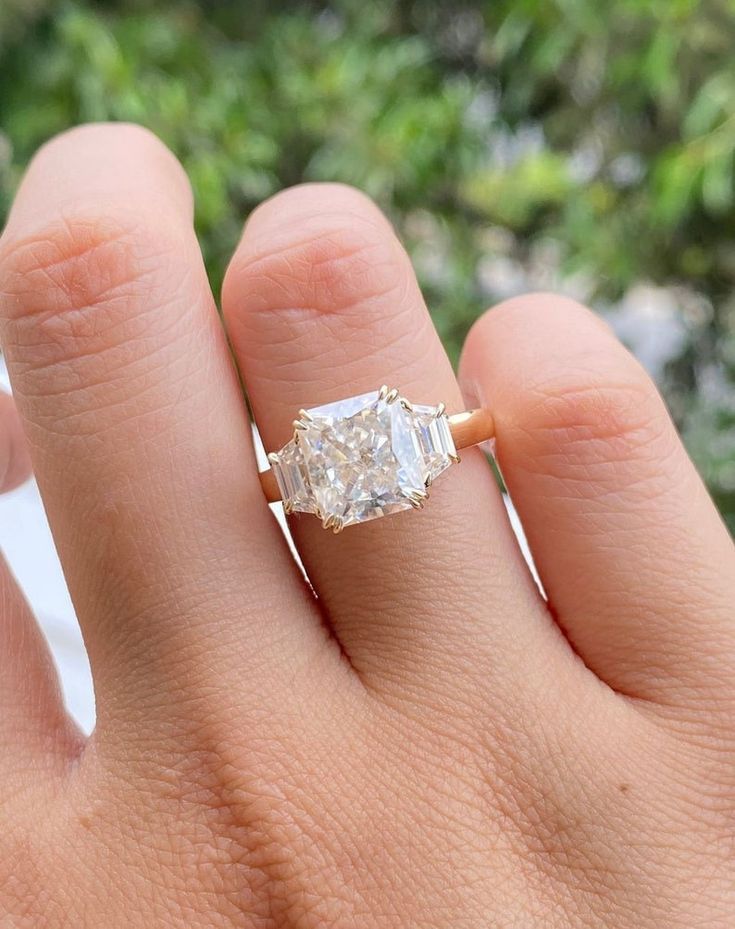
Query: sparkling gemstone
(363,457)
(293,481)
(435,438)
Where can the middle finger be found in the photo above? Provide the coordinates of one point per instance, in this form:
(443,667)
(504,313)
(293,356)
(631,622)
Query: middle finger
(134,416)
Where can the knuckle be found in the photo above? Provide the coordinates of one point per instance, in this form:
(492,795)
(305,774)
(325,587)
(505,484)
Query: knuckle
(587,429)
(139,143)
(311,201)
(122,131)
(579,397)
(69,285)
(547,312)
(69,264)
(622,414)
(334,262)
(542,302)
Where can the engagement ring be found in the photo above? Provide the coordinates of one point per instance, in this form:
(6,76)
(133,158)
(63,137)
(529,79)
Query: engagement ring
(368,456)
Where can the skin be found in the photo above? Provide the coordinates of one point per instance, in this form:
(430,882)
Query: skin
(417,739)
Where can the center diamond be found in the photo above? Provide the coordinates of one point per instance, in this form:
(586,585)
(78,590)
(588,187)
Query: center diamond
(364,457)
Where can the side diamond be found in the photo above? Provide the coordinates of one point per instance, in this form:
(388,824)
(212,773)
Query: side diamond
(290,471)
(435,439)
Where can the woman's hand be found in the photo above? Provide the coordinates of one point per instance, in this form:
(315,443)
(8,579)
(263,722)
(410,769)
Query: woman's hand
(420,741)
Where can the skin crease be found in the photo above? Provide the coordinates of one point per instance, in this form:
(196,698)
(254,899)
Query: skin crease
(417,738)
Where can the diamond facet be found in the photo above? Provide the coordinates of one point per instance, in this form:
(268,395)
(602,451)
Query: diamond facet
(436,440)
(288,466)
(363,457)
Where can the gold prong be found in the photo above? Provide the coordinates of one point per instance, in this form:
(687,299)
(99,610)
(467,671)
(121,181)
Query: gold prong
(318,513)
(441,409)
(328,521)
(406,404)
(427,482)
(417,498)
(273,458)
(383,392)
(338,525)
(306,416)
(455,458)
(287,507)
(299,424)
(392,395)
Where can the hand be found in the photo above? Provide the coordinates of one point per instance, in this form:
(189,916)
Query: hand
(423,740)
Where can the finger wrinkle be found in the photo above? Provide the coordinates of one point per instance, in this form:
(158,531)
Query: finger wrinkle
(352,266)
(103,305)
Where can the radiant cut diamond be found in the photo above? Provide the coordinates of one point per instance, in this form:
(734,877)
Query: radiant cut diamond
(363,457)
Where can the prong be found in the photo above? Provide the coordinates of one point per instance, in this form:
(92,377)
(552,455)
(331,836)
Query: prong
(287,507)
(328,521)
(427,482)
(318,513)
(392,395)
(455,458)
(383,392)
(306,416)
(338,525)
(441,409)
(299,424)
(406,404)
(417,498)
(273,458)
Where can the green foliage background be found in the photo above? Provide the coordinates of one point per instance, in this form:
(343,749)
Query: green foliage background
(561,143)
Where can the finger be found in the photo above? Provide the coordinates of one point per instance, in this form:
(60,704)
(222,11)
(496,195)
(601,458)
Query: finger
(630,548)
(36,734)
(135,420)
(35,731)
(15,462)
(321,304)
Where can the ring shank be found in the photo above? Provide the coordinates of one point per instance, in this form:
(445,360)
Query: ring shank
(471,427)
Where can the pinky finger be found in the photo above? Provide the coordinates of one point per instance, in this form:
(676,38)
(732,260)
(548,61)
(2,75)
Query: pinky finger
(36,734)
(633,555)
(15,462)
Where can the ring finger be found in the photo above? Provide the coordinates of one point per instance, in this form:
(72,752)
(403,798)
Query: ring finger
(322,304)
